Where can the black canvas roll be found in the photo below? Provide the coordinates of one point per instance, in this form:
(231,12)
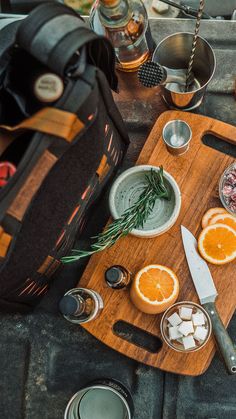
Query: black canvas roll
(44,205)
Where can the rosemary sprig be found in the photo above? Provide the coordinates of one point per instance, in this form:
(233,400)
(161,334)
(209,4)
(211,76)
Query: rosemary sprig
(133,217)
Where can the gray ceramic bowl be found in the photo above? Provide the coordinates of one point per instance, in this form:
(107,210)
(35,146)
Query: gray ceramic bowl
(126,190)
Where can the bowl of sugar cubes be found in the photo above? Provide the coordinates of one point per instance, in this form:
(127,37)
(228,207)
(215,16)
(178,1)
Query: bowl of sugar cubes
(186,327)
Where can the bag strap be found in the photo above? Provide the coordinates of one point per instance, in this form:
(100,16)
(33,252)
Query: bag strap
(42,14)
(8,34)
(53,33)
(51,121)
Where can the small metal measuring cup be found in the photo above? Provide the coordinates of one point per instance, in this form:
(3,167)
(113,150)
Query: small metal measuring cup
(177,135)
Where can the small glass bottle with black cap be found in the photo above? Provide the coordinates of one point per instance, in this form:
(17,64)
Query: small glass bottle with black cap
(81,305)
(117,277)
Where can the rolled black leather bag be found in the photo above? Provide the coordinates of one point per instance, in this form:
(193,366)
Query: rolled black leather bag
(62,133)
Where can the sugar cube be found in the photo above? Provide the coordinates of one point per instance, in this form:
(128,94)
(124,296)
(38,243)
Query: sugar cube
(185,313)
(198,319)
(188,342)
(174,319)
(200,333)
(186,328)
(174,333)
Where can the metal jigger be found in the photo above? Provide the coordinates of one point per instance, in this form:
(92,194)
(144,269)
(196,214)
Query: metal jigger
(177,135)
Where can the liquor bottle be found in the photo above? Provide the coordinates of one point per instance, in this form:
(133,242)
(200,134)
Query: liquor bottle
(117,277)
(125,23)
(81,305)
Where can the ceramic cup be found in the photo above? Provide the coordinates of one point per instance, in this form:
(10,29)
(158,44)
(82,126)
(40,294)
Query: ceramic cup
(126,191)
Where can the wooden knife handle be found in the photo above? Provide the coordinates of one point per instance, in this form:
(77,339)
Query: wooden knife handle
(224,343)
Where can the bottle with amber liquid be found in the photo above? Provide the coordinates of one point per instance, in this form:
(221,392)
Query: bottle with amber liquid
(125,23)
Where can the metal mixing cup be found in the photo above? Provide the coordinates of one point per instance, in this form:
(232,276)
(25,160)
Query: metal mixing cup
(174,52)
(177,135)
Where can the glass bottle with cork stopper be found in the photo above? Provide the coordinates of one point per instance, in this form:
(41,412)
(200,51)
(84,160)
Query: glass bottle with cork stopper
(125,23)
(81,305)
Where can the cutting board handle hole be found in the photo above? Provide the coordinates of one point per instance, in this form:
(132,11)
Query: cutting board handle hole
(137,336)
(219,144)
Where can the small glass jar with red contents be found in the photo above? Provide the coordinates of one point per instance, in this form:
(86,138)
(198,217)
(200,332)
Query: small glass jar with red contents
(227,189)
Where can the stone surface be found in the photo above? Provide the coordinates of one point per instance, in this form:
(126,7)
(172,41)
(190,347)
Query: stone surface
(44,359)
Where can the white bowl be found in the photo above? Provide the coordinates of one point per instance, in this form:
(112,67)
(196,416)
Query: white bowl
(128,187)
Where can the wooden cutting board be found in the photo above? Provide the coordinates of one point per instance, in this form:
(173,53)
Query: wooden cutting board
(197,173)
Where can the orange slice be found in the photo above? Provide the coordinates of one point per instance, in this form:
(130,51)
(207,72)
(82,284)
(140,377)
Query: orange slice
(227,219)
(154,289)
(210,214)
(217,244)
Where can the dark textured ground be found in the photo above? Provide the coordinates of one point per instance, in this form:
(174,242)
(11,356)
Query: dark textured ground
(44,360)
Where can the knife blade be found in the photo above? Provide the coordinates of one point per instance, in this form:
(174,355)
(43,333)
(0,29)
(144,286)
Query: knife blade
(200,272)
(207,294)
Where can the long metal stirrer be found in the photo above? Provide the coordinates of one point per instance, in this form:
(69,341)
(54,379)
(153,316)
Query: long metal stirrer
(194,44)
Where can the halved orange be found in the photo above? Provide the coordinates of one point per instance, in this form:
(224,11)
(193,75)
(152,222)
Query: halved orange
(217,244)
(210,214)
(154,289)
(227,219)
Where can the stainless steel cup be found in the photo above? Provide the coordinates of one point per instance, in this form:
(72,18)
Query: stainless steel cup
(174,52)
(103,398)
(177,135)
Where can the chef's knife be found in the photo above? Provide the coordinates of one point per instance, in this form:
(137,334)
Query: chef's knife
(207,294)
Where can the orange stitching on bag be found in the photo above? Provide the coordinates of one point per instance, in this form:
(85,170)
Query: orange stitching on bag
(113,151)
(117,158)
(32,284)
(106,128)
(82,225)
(110,142)
(90,117)
(73,214)
(43,289)
(36,291)
(115,155)
(31,289)
(85,193)
(60,238)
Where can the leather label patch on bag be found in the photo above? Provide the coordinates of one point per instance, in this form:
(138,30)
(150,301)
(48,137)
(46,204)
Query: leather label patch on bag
(48,88)
(31,185)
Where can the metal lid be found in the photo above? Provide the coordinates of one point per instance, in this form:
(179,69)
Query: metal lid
(113,275)
(69,305)
(101,399)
